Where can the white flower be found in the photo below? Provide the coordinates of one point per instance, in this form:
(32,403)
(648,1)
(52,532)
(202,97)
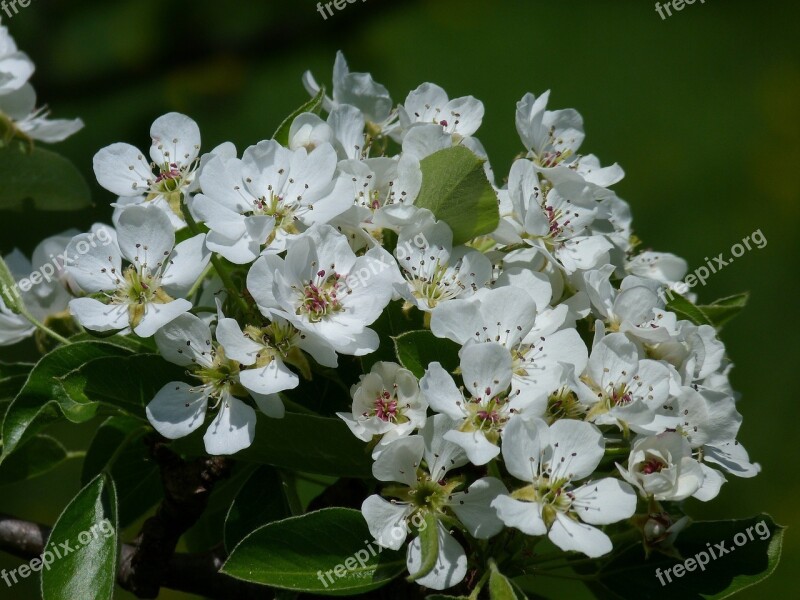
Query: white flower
(324,289)
(265,350)
(358,90)
(660,266)
(508,316)
(15,66)
(123,170)
(386,403)
(179,408)
(47,298)
(146,294)
(344,129)
(436,272)
(551,137)
(634,309)
(480,417)
(20,107)
(551,459)
(269,196)
(427,489)
(556,218)
(429,104)
(662,467)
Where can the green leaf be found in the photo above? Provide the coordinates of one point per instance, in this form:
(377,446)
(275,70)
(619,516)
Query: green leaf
(260,501)
(329,551)
(299,442)
(118,448)
(9,292)
(723,310)
(42,399)
(455,189)
(429,546)
(417,349)
(47,179)
(444,597)
(89,527)
(741,567)
(500,587)
(36,457)
(686,310)
(314,105)
(117,381)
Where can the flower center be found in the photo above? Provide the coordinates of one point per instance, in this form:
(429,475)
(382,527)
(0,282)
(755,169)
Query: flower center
(386,407)
(321,297)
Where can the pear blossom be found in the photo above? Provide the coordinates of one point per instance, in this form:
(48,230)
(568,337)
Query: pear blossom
(179,408)
(314,289)
(508,316)
(47,299)
(146,294)
(436,272)
(426,488)
(356,89)
(166,178)
(553,460)
(269,196)
(15,66)
(429,103)
(19,106)
(625,390)
(386,403)
(557,219)
(489,403)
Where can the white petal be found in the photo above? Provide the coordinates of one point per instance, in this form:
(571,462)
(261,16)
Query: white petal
(568,534)
(479,450)
(606,501)
(157,315)
(400,460)
(578,448)
(441,454)
(441,393)
(271,405)
(474,508)
(236,345)
(145,236)
(525,516)
(524,443)
(386,521)
(186,264)
(233,429)
(450,567)
(486,369)
(185,341)
(712,482)
(93,267)
(177,409)
(95,315)
(273,378)
(122,170)
(176,139)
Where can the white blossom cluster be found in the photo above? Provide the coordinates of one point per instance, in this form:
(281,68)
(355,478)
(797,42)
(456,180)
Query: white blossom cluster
(567,351)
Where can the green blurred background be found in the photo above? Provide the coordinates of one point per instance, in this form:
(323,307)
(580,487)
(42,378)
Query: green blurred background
(701,109)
